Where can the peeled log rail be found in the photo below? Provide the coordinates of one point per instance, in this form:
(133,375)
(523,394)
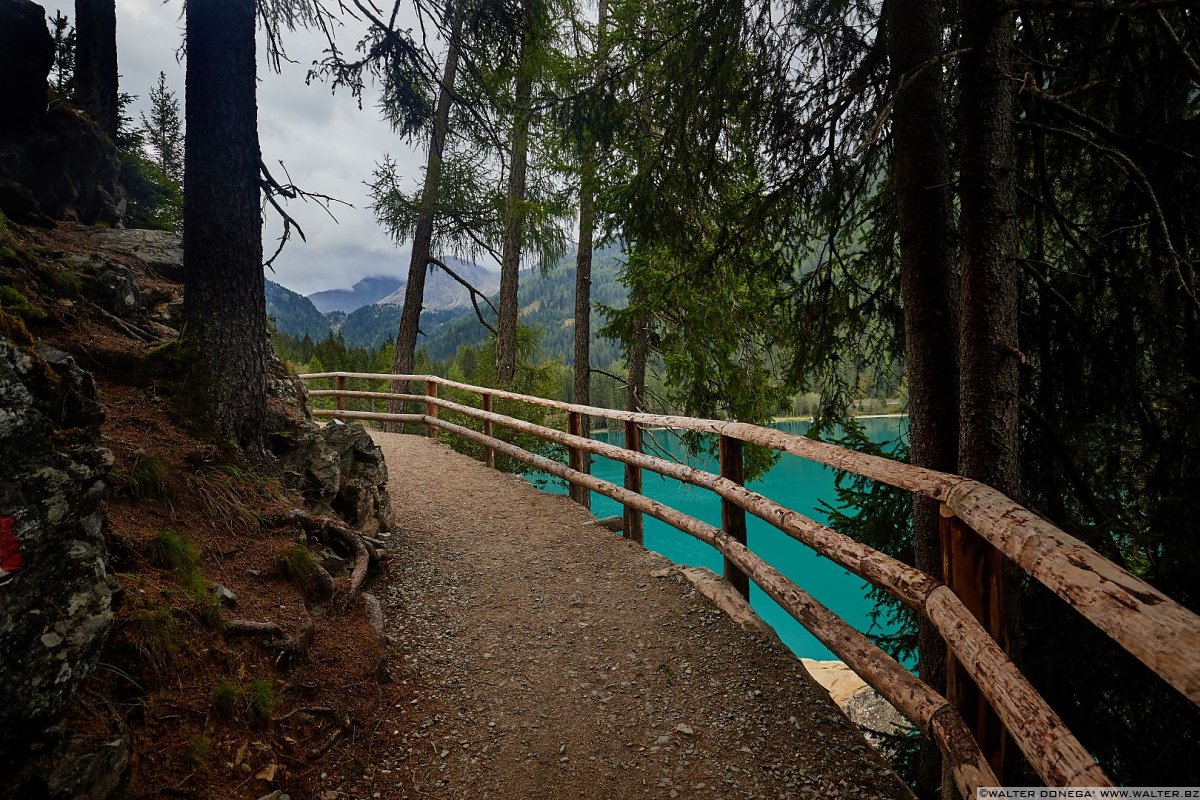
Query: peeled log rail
(1158,631)
(927,709)
(1056,755)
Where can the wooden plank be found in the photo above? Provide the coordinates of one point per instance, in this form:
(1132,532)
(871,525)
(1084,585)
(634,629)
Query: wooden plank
(378,416)
(578,459)
(733,516)
(632,517)
(431,409)
(1056,755)
(489,453)
(973,570)
(912,698)
(1158,631)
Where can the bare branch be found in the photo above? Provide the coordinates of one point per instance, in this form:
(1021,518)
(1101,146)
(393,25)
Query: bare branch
(475,293)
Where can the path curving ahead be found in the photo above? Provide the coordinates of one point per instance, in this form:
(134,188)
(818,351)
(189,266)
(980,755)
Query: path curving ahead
(548,662)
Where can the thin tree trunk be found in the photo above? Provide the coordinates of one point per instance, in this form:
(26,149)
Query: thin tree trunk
(636,389)
(414,291)
(989,353)
(224,304)
(581,387)
(96,62)
(921,166)
(514,218)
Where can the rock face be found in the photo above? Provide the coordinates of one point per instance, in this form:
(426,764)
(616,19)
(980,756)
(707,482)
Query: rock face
(162,251)
(54,164)
(26,55)
(56,594)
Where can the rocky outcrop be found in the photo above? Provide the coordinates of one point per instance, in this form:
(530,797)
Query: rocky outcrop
(26,55)
(161,251)
(56,593)
(337,468)
(55,164)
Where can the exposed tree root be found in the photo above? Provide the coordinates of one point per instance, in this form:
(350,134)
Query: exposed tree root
(328,528)
(323,748)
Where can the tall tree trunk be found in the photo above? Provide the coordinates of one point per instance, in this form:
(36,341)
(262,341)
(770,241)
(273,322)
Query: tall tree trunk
(96,62)
(224,304)
(414,291)
(988,341)
(514,219)
(582,384)
(921,167)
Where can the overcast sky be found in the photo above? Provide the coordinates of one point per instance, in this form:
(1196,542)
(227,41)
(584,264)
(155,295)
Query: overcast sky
(327,143)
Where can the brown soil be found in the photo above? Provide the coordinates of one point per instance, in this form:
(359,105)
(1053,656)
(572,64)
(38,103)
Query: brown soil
(547,661)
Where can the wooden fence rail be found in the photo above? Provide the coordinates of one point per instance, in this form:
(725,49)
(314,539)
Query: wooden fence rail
(1160,632)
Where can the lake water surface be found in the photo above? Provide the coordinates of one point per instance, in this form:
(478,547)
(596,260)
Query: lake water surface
(794,482)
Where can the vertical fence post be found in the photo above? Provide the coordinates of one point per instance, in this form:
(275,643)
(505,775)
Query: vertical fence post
(633,482)
(974,570)
(489,456)
(733,518)
(577,459)
(339,402)
(431,409)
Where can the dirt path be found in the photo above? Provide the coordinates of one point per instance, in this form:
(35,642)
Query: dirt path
(547,662)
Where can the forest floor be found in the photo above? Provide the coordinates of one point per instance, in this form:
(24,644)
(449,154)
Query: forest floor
(548,658)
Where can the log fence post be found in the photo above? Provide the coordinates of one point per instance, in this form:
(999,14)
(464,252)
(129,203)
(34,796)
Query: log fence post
(733,517)
(489,452)
(431,409)
(339,402)
(578,460)
(633,525)
(974,570)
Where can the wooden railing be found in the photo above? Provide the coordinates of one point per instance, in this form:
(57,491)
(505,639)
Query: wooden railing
(1161,633)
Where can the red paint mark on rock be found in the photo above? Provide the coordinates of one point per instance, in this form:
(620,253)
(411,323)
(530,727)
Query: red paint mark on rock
(10,549)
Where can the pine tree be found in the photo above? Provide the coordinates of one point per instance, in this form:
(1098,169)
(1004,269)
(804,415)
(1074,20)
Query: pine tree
(96,62)
(163,130)
(63,71)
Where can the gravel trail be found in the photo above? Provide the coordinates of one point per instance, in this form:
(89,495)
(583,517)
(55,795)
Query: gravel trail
(547,661)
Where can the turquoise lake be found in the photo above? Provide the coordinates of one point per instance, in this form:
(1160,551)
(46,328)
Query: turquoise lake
(793,482)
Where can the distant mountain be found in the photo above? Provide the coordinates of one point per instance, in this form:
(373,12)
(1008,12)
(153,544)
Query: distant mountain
(293,313)
(367,291)
(443,293)
(547,301)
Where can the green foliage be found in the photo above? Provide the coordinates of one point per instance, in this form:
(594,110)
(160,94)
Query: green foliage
(16,303)
(158,633)
(154,200)
(176,552)
(225,699)
(62,74)
(260,701)
(162,132)
(200,751)
(146,478)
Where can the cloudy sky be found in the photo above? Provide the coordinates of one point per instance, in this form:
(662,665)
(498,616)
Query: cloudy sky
(327,143)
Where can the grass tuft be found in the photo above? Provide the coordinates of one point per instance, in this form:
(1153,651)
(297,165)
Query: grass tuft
(173,551)
(261,701)
(158,632)
(146,479)
(200,751)
(225,699)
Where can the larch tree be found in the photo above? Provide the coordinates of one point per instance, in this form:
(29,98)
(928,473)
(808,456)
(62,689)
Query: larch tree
(96,62)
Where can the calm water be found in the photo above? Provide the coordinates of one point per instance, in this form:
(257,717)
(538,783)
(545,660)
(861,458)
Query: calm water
(793,482)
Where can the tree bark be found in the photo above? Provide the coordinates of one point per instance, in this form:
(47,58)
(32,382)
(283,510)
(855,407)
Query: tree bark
(414,291)
(582,378)
(96,62)
(921,167)
(224,304)
(514,218)
(636,387)
(989,352)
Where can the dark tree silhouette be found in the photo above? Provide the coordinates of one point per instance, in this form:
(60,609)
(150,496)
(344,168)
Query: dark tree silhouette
(96,62)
